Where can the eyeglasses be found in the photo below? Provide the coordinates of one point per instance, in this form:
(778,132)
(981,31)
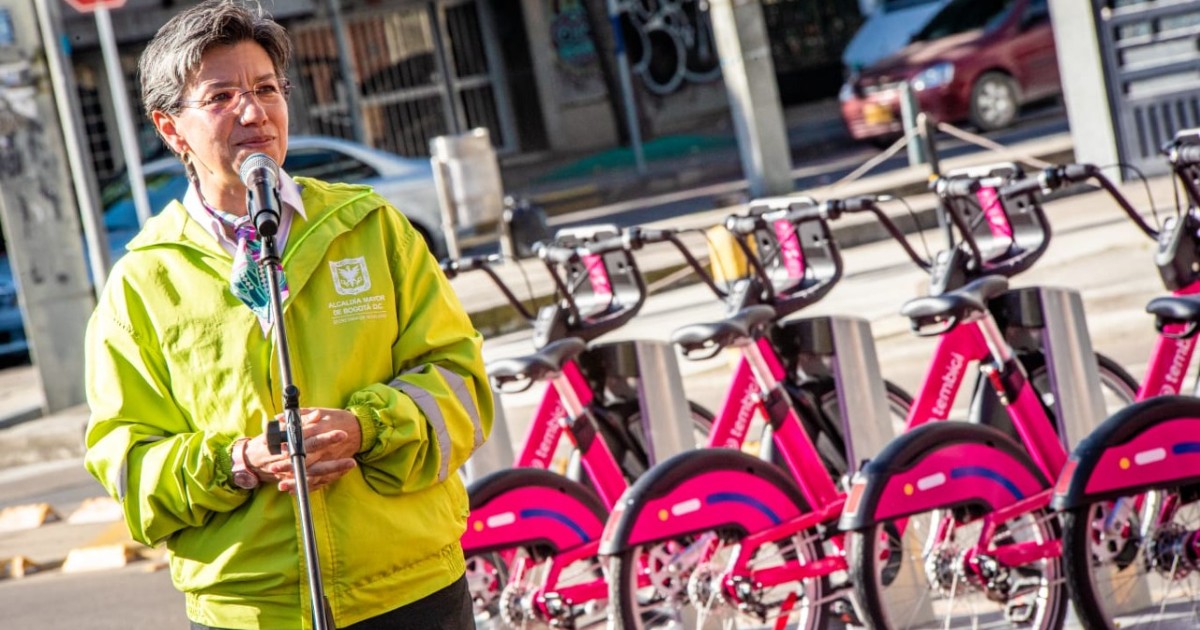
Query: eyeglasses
(268,93)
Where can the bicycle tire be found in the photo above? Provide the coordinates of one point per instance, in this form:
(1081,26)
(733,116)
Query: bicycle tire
(870,567)
(678,582)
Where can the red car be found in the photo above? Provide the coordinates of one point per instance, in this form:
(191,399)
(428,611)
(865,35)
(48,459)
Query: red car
(976,60)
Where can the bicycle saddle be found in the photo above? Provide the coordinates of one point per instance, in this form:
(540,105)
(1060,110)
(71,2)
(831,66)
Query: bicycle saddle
(956,305)
(538,366)
(717,335)
(1176,309)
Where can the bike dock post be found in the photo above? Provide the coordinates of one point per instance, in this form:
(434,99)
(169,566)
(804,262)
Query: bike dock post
(666,417)
(861,394)
(1075,382)
(647,371)
(866,419)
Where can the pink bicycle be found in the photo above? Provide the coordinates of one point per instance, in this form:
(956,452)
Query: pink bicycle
(736,542)
(531,537)
(681,524)
(949,526)
(1130,491)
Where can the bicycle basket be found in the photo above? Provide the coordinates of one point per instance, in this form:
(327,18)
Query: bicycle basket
(603,291)
(1002,236)
(799,259)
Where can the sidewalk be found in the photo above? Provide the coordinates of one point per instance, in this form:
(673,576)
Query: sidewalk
(1094,260)
(530,280)
(59,435)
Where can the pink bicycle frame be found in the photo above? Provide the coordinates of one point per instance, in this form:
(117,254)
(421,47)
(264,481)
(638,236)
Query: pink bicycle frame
(1170,358)
(547,429)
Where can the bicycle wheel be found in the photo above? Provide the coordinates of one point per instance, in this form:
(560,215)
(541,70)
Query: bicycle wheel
(486,577)
(911,573)
(1118,386)
(1131,562)
(680,588)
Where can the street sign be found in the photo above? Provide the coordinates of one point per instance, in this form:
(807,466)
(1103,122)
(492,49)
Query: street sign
(88,6)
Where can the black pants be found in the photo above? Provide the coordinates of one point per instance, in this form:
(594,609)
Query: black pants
(447,609)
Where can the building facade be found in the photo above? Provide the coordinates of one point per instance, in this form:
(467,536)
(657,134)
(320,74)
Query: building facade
(537,73)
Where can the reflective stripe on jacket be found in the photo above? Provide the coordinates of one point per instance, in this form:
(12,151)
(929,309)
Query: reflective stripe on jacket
(178,368)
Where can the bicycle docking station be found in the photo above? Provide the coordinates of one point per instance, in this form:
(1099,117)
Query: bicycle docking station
(843,348)
(1049,321)
(645,371)
(607,289)
(1053,319)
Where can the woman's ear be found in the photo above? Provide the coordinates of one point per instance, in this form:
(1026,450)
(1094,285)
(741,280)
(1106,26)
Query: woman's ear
(165,124)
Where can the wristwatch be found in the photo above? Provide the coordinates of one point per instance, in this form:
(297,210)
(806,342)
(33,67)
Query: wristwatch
(243,477)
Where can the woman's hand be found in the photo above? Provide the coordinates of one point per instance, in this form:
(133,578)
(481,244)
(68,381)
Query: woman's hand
(331,438)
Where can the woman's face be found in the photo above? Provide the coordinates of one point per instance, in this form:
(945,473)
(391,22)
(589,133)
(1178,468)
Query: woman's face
(229,112)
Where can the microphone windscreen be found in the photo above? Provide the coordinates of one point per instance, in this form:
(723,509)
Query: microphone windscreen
(256,163)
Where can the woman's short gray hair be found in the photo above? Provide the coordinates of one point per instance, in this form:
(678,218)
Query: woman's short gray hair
(174,54)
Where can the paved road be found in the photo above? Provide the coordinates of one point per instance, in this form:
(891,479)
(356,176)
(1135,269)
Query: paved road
(1041,122)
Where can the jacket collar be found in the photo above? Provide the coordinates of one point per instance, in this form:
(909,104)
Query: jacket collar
(331,210)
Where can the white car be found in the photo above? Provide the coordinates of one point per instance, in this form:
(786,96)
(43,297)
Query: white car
(406,182)
(887,30)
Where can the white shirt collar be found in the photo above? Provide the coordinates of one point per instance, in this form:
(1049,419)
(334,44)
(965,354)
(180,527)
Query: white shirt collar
(289,195)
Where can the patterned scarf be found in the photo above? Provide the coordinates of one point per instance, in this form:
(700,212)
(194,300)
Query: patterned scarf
(248,281)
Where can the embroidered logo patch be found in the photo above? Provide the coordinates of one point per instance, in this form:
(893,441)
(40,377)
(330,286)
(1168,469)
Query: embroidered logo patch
(350,276)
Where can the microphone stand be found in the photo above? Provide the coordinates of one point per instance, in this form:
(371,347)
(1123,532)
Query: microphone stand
(270,263)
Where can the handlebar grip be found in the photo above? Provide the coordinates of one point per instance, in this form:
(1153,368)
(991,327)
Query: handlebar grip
(605,245)
(743,225)
(556,253)
(957,187)
(1185,155)
(1075,173)
(1021,187)
(453,267)
(862,203)
(638,236)
(800,213)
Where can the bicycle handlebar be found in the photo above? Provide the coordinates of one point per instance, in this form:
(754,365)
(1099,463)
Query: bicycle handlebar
(869,203)
(452,267)
(769,210)
(1058,177)
(1184,155)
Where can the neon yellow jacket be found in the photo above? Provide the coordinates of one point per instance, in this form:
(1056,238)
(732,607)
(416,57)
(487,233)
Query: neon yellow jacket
(178,368)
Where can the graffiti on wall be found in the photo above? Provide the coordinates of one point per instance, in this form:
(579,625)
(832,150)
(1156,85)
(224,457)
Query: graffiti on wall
(669,43)
(576,62)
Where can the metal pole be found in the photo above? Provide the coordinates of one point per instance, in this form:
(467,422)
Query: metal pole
(79,157)
(626,79)
(928,128)
(909,109)
(120,100)
(40,223)
(346,66)
(293,436)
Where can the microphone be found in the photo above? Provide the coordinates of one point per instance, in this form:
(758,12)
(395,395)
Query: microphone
(260,174)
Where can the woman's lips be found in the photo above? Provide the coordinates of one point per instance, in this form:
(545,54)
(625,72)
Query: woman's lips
(256,142)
